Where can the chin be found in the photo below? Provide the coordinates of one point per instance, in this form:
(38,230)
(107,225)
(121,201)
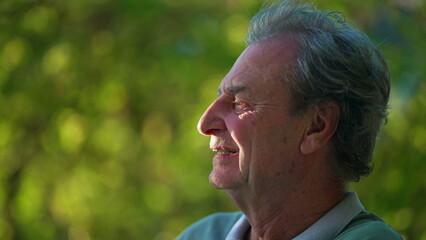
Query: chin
(221,180)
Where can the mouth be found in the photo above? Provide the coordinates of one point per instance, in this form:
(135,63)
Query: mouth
(223,152)
(220,152)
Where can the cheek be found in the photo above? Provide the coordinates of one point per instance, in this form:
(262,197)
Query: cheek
(257,133)
(241,125)
(248,119)
(252,123)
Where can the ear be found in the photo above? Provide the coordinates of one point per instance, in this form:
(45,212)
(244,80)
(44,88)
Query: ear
(320,127)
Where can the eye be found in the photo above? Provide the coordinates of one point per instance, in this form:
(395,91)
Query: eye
(240,107)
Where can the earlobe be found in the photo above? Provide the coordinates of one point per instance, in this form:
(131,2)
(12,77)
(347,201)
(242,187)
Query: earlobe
(320,128)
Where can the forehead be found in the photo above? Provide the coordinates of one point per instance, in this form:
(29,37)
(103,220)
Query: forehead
(260,66)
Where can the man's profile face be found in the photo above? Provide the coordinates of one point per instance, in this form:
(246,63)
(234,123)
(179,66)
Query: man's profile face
(255,137)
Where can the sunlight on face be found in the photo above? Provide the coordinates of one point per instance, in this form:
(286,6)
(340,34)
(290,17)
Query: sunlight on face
(251,130)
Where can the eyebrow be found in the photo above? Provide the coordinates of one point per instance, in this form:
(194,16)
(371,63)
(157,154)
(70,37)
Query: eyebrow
(232,89)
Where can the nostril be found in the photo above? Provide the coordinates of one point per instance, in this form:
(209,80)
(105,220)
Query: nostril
(212,121)
(213,127)
(210,124)
(210,132)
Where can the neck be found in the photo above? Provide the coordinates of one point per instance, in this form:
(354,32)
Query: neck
(275,215)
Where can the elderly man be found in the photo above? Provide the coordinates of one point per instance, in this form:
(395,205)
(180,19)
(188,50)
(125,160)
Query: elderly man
(295,121)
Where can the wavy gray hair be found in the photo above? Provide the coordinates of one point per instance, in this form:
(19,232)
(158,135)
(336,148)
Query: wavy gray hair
(336,62)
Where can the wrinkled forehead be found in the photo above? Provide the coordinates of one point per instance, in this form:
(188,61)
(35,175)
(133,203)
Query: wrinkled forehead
(260,65)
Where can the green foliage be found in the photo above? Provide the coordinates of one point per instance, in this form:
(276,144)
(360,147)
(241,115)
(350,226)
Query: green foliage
(99,100)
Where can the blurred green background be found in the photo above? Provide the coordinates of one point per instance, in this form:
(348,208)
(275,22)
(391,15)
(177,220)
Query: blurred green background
(99,101)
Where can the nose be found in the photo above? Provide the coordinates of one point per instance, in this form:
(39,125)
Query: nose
(212,121)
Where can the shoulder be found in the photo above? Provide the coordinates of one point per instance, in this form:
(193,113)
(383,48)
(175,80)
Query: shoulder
(215,226)
(368,226)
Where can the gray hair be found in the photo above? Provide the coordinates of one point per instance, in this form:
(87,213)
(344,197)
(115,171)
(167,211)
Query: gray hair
(335,62)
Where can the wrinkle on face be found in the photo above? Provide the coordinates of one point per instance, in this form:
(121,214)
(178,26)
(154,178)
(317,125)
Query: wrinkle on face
(265,133)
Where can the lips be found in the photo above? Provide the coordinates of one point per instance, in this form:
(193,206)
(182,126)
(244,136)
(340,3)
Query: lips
(224,151)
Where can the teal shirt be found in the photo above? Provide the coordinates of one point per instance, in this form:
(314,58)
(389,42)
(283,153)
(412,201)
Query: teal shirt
(368,226)
(365,226)
(346,221)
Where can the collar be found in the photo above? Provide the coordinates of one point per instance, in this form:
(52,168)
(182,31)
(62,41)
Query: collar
(327,227)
